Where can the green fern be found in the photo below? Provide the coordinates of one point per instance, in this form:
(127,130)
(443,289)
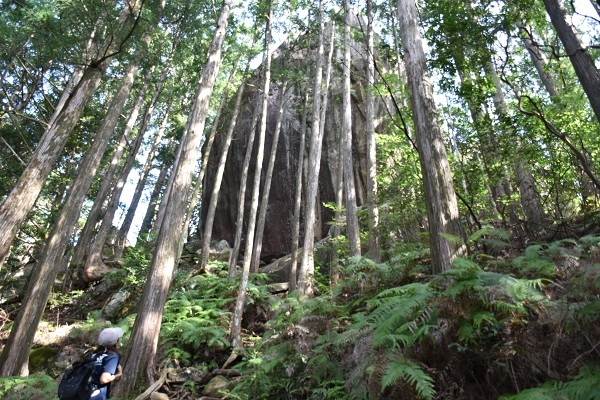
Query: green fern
(395,312)
(589,311)
(36,386)
(585,386)
(490,231)
(404,369)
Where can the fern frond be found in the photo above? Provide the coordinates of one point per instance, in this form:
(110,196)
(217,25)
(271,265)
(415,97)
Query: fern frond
(409,371)
(490,231)
(398,311)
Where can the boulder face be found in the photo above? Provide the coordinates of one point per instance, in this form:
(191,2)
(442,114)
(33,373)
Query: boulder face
(288,60)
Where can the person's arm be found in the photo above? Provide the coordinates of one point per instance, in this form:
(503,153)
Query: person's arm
(107,377)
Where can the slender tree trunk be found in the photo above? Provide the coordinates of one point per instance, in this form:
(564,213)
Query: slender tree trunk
(440,197)
(108,181)
(147,223)
(23,195)
(352,229)
(580,161)
(538,59)
(324,105)
(139,189)
(14,357)
(236,325)
(242,196)
(264,202)
(582,62)
(371,142)
(214,196)
(536,221)
(307,269)
(141,349)
(298,199)
(94,259)
(207,149)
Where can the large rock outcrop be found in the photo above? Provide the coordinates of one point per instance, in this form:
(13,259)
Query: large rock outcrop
(289,60)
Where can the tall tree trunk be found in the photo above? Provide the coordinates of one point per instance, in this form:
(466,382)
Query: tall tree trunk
(141,349)
(482,125)
(581,161)
(352,229)
(94,263)
(147,223)
(538,59)
(108,180)
(206,154)
(94,259)
(440,197)
(536,221)
(239,226)
(298,199)
(121,239)
(264,202)
(23,195)
(236,324)
(582,61)
(214,196)
(307,268)
(14,357)
(371,142)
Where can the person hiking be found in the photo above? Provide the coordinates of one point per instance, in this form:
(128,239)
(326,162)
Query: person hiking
(106,367)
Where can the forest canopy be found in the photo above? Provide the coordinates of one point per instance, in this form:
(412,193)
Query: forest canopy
(354,199)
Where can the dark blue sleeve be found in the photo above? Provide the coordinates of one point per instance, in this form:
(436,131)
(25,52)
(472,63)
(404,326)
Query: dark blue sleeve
(110,363)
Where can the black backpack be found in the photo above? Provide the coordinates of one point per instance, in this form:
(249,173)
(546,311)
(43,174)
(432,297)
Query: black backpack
(77,382)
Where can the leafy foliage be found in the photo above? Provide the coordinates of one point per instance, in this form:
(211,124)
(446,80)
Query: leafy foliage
(195,319)
(584,386)
(33,387)
(411,372)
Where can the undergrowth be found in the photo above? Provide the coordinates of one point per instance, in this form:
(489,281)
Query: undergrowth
(522,329)
(489,328)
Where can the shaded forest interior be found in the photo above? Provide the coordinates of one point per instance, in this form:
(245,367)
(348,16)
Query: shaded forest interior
(318,199)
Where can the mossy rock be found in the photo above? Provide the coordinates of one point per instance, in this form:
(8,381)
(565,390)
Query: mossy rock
(217,387)
(42,359)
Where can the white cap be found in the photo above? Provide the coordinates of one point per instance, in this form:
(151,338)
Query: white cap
(109,336)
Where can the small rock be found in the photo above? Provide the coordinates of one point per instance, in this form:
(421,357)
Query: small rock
(217,387)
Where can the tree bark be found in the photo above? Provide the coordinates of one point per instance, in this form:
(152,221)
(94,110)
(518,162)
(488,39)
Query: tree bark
(139,189)
(352,229)
(440,197)
(538,59)
(536,221)
(264,202)
(147,223)
(307,268)
(141,349)
(298,199)
(239,226)
(214,196)
(371,142)
(236,324)
(207,149)
(580,58)
(94,259)
(23,195)
(14,357)
(108,180)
